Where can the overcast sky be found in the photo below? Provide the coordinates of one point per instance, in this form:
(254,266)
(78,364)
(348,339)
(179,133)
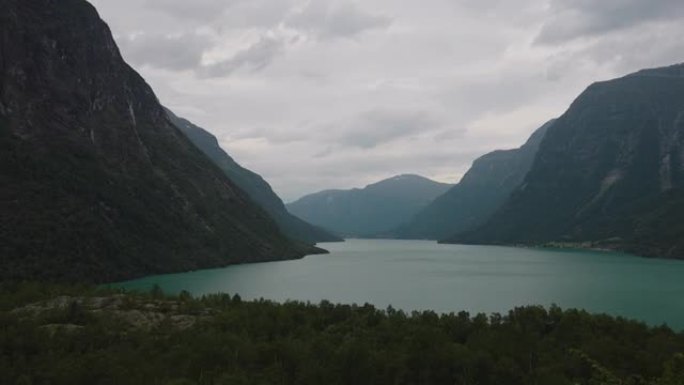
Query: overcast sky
(340,93)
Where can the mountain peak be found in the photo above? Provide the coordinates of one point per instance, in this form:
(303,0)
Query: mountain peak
(407,176)
(405,180)
(374,209)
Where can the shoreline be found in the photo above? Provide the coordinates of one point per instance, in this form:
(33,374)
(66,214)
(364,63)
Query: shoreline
(587,246)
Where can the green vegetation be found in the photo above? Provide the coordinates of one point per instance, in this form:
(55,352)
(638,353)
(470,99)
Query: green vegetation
(97,184)
(609,172)
(72,335)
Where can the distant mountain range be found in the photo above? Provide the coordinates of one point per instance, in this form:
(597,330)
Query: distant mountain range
(253,184)
(98,184)
(371,211)
(608,174)
(481,191)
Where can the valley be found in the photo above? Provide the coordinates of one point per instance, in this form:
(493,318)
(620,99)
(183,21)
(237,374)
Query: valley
(437,231)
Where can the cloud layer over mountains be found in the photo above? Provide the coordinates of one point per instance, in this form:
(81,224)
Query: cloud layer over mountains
(338,93)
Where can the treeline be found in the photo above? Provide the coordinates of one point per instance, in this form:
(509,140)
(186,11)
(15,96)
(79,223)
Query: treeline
(221,339)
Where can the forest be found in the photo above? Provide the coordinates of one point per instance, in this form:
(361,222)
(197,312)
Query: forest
(93,335)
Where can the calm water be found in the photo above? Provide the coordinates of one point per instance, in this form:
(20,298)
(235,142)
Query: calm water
(417,275)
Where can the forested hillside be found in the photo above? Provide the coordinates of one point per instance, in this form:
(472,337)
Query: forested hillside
(97,184)
(609,173)
(70,336)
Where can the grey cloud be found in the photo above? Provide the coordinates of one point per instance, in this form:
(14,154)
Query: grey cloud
(373,128)
(175,52)
(447,134)
(571,19)
(646,49)
(367,130)
(192,9)
(185,52)
(273,135)
(257,14)
(428,159)
(324,153)
(331,19)
(224,14)
(443,65)
(651,45)
(497,94)
(515,12)
(253,58)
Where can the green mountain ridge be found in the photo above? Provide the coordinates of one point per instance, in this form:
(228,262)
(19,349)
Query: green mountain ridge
(374,210)
(98,185)
(253,184)
(482,190)
(609,173)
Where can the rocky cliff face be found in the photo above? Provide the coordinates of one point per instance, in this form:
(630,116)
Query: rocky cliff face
(482,190)
(97,184)
(609,172)
(371,211)
(253,184)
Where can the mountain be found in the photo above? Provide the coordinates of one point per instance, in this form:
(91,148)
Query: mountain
(481,191)
(97,184)
(253,184)
(373,210)
(609,173)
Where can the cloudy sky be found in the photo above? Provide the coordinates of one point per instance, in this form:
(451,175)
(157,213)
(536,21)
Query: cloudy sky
(318,94)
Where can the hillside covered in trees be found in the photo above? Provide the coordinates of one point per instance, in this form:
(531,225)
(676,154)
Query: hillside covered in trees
(97,184)
(67,335)
(608,173)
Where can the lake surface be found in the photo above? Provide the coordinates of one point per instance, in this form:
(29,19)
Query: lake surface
(422,275)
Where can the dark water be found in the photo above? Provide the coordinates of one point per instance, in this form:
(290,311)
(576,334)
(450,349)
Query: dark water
(417,275)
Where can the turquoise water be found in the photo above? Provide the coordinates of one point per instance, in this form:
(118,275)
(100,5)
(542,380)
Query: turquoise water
(421,275)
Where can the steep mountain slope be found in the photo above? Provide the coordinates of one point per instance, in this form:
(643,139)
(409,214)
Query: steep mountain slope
(610,172)
(483,189)
(373,210)
(253,184)
(97,184)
